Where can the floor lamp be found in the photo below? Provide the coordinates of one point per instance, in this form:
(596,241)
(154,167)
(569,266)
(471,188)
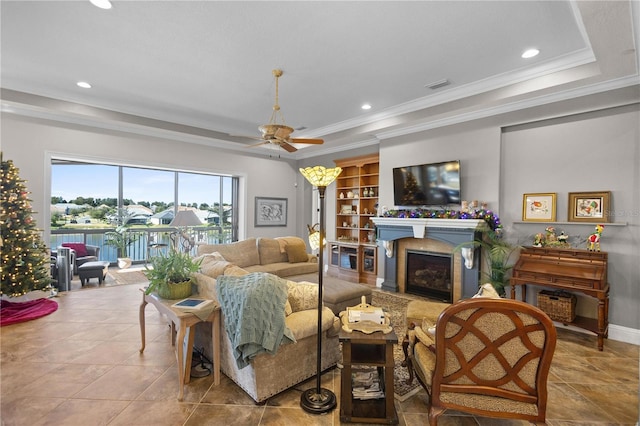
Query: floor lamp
(319,400)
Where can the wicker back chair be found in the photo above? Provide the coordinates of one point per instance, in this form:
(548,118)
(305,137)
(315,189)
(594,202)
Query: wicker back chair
(492,358)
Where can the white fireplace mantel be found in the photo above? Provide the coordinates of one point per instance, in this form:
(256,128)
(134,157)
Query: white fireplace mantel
(419,225)
(454,232)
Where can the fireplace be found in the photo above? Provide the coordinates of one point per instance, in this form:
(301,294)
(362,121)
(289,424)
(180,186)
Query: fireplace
(438,238)
(429,274)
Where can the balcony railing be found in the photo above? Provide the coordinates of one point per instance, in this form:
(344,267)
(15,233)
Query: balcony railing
(160,238)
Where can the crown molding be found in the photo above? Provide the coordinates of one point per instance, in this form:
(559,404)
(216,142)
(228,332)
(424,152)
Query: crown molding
(512,106)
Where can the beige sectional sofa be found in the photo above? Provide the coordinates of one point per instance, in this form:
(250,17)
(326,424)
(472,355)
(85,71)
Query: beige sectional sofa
(266,375)
(282,256)
(287,257)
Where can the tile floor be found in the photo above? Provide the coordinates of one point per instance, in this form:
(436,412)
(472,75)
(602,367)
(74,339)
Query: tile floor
(81,366)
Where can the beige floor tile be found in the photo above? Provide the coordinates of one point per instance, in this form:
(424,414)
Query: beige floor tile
(228,415)
(82,412)
(154,413)
(81,365)
(122,383)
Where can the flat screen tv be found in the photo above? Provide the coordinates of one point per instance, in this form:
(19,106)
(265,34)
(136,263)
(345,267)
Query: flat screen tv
(434,184)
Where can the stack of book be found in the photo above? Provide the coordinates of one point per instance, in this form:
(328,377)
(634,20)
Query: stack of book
(366,384)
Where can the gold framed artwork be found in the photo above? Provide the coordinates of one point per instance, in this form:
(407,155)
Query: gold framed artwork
(539,207)
(589,206)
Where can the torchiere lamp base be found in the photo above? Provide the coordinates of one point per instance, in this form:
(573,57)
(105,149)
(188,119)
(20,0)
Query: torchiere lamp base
(318,403)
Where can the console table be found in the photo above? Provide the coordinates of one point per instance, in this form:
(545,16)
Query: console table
(567,269)
(180,322)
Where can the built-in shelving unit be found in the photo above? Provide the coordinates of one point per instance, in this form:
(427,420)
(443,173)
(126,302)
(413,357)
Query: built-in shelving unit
(353,255)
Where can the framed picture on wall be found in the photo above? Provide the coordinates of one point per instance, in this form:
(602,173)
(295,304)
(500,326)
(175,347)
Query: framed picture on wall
(589,206)
(539,207)
(271,211)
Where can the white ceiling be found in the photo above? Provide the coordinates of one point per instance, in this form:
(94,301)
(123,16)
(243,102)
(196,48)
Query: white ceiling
(202,70)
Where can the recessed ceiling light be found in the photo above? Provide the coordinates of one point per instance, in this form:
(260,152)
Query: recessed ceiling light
(84,85)
(366,106)
(102,4)
(530,53)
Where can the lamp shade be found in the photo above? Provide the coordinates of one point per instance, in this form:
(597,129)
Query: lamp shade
(314,236)
(186,218)
(320,176)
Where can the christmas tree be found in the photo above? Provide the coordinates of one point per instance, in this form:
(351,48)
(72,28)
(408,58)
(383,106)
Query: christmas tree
(25,258)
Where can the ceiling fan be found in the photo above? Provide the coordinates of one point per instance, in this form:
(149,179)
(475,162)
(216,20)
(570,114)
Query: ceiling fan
(279,133)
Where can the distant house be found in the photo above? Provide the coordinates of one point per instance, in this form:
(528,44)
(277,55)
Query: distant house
(162,218)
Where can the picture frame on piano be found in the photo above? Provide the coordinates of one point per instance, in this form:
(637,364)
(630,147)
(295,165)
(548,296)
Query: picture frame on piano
(589,206)
(539,207)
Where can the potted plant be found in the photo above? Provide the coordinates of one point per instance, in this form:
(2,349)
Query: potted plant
(499,257)
(170,275)
(121,238)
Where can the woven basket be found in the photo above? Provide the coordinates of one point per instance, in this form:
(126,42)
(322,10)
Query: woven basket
(559,305)
(175,291)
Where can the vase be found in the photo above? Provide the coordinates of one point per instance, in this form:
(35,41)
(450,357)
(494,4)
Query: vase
(124,262)
(175,290)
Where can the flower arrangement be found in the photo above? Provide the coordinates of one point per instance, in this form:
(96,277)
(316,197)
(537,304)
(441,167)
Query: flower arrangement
(488,216)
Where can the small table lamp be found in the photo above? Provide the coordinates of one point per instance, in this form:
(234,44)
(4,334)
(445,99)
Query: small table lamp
(183,220)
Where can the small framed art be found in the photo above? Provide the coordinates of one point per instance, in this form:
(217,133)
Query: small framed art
(539,207)
(271,211)
(589,206)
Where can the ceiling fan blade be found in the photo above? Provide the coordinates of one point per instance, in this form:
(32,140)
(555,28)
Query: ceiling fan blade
(287,147)
(305,140)
(258,144)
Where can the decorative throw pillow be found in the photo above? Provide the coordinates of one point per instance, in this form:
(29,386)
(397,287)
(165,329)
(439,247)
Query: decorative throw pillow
(79,248)
(296,253)
(288,310)
(213,264)
(235,271)
(302,295)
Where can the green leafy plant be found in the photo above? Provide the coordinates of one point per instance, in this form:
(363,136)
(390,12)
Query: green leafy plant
(173,268)
(121,238)
(499,256)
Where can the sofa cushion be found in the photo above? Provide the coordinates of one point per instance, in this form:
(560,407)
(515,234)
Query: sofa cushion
(285,269)
(305,323)
(269,251)
(297,253)
(213,264)
(235,271)
(242,253)
(206,286)
(79,248)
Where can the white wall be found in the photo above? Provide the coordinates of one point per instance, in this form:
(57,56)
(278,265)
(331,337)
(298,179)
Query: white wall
(30,143)
(588,152)
(597,151)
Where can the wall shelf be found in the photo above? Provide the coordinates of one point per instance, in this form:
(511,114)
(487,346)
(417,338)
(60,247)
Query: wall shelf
(520,222)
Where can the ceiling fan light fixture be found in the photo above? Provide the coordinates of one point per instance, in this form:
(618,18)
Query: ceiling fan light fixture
(276,132)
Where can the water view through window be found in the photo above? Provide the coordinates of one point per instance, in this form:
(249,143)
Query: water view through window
(88,199)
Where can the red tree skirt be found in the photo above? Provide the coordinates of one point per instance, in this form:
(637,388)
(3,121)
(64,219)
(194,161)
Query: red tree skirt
(15,312)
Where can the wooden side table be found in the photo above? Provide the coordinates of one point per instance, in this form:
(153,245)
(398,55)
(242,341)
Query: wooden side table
(368,350)
(181,321)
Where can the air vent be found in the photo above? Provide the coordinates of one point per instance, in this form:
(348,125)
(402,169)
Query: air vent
(437,84)
(301,128)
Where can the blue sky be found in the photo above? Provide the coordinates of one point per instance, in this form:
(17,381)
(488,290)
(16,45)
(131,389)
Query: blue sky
(101,181)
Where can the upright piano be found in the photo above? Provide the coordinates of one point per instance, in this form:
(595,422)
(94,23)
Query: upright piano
(572,270)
